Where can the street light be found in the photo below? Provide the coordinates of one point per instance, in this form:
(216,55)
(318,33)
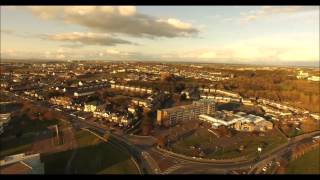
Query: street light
(259,152)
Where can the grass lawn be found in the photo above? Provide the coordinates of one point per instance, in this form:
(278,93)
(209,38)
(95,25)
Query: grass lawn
(309,163)
(224,147)
(55,163)
(16,145)
(11,144)
(93,156)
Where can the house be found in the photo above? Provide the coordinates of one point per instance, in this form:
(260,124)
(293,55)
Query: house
(94,106)
(191,93)
(302,75)
(83,93)
(247,102)
(141,102)
(125,121)
(61,100)
(314,78)
(131,110)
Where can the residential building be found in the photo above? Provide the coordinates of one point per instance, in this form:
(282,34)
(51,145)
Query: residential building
(61,100)
(141,102)
(314,78)
(132,88)
(302,75)
(94,106)
(84,93)
(171,116)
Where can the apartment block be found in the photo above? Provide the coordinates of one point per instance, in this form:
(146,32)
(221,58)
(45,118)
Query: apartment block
(171,116)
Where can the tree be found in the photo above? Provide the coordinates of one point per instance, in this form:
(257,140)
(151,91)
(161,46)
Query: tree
(146,129)
(161,140)
(179,87)
(183,97)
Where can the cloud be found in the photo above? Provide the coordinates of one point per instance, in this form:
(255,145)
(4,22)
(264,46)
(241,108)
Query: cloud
(290,47)
(46,12)
(88,38)
(266,11)
(7,31)
(64,53)
(112,51)
(120,19)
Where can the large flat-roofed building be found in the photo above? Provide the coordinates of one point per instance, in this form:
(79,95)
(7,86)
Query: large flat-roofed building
(239,121)
(171,116)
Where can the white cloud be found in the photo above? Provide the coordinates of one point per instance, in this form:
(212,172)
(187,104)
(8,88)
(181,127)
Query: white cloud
(116,19)
(176,23)
(127,10)
(60,56)
(210,54)
(112,51)
(291,47)
(80,10)
(87,38)
(267,11)
(46,12)
(7,31)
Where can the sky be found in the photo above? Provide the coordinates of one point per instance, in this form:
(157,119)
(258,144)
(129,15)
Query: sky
(240,34)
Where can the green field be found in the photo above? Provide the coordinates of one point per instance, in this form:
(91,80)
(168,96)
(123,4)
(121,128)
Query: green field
(93,156)
(19,135)
(15,146)
(224,147)
(309,163)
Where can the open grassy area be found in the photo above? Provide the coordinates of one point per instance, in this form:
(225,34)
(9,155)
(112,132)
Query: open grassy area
(226,147)
(309,163)
(93,156)
(19,135)
(15,145)
(24,125)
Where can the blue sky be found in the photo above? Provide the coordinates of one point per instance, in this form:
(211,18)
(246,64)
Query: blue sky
(199,33)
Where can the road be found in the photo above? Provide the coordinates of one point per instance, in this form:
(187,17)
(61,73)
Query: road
(140,150)
(250,164)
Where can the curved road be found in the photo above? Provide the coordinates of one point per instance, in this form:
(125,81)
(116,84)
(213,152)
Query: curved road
(187,165)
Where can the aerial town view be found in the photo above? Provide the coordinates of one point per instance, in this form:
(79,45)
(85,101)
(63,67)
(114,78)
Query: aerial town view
(159,90)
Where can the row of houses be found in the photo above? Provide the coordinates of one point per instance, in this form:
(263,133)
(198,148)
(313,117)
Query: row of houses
(274,112)
(303,75)
(34,94)
(121,120)
(218,91)
(281,106)
(132,88)
(97,109)
(220,99)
